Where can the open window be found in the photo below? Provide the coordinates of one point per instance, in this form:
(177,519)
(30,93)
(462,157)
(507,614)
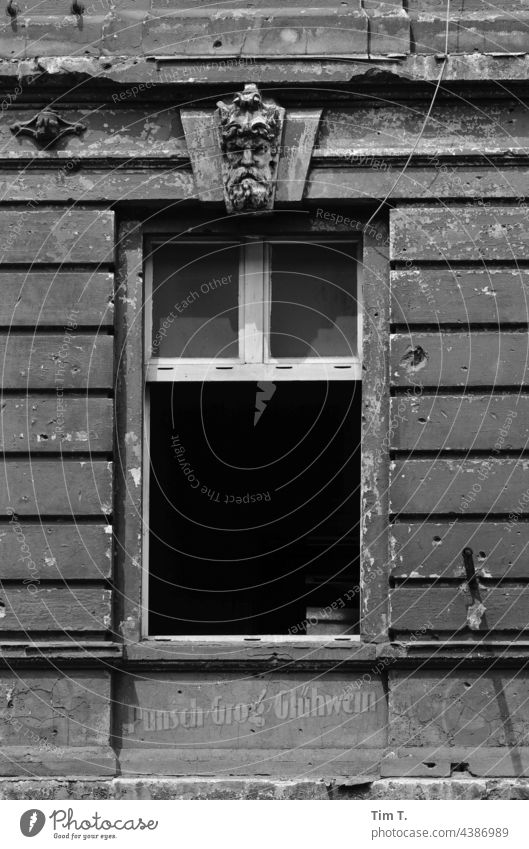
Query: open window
(253,428)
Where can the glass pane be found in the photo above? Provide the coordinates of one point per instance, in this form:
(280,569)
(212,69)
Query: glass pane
(195,300)
(314,300)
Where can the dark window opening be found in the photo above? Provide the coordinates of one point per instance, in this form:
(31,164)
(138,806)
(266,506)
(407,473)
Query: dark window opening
(254,508)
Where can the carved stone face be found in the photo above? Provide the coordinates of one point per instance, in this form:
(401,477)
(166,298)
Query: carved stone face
(250,135)
(47,126)
(249,177)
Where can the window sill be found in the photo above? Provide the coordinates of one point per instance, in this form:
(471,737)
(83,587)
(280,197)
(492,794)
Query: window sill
(291,639)
(264,652)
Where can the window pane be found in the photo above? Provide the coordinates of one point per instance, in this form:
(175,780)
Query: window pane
(195,300)
(314,300)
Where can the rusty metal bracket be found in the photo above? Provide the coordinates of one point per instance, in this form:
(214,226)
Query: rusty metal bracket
(476,609)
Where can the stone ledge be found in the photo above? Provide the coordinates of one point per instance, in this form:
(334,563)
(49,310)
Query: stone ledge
(371,26)
(154,75)
(262,789)
(269,31)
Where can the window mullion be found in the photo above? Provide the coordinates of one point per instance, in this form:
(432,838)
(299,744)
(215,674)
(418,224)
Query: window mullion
(253,301)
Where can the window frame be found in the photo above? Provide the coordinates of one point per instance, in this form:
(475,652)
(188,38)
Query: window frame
(250,365)
(130,429)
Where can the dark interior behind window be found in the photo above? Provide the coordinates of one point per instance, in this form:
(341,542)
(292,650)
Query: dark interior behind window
(254,507)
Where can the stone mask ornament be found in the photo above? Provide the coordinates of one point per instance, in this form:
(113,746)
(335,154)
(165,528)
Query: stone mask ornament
(250,138)
(47,128)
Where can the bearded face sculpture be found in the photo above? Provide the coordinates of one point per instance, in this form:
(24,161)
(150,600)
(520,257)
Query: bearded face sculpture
(250,137)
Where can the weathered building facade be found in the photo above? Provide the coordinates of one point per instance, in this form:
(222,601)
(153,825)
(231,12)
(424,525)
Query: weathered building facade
(394,134)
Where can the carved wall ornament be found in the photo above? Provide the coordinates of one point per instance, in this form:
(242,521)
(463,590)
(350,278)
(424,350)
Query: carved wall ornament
(250,138)
(47,127)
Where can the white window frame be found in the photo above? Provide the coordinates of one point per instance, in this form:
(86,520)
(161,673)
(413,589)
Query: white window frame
(254,362)
(248,367)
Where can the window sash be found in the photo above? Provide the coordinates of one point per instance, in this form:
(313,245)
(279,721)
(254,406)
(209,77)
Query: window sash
(255,305)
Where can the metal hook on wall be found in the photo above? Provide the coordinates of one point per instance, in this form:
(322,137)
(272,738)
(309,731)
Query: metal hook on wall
(12,10)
